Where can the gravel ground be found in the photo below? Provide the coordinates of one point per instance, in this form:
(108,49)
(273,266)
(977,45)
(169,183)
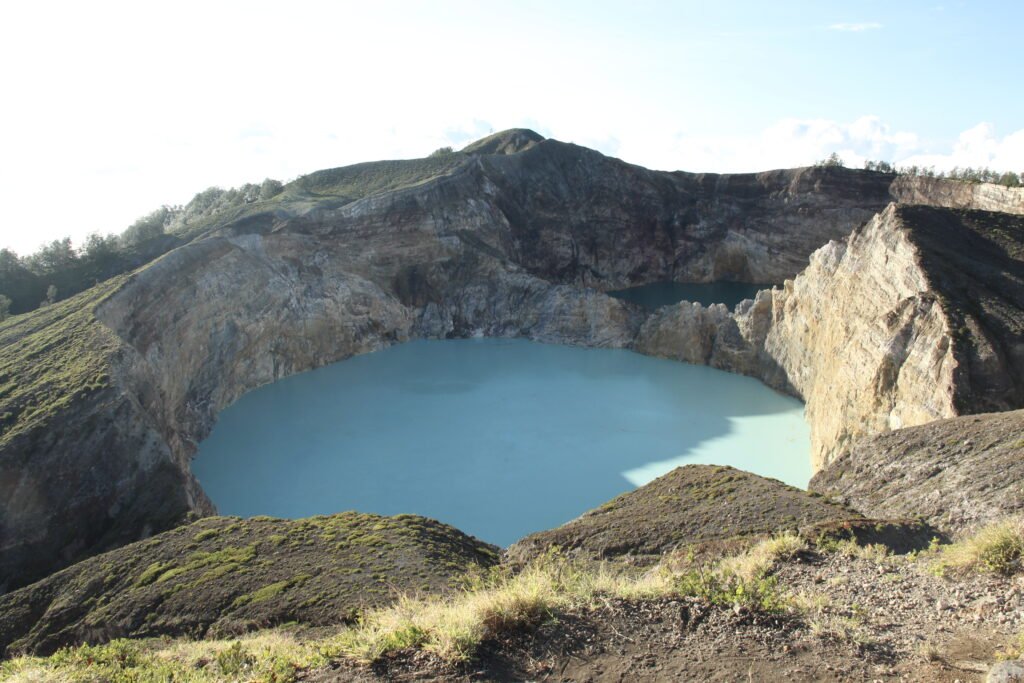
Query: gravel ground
(866,618)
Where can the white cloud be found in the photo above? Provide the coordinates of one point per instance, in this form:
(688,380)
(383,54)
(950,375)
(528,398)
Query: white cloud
(801,142)
(855,28)
(787,143)
(124,106)
(977,147)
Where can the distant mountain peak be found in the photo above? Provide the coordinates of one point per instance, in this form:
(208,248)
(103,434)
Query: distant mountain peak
(508,141)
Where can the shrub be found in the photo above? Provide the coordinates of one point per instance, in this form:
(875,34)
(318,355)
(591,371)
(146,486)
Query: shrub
(833,160)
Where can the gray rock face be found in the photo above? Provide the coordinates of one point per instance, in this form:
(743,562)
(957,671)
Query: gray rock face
(955,195)
(1006,672)
(917,316)
(957,474)
(518,236)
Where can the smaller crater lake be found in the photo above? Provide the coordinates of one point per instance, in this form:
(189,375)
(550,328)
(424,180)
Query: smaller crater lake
(658,294)
(497,437)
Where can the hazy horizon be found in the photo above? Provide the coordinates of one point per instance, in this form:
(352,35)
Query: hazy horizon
(124,108)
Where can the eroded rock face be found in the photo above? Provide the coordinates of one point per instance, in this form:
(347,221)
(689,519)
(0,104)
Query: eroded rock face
(956,195)
(917,316)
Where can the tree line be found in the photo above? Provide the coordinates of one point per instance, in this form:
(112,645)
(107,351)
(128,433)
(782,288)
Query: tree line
(967,174)
(60,269)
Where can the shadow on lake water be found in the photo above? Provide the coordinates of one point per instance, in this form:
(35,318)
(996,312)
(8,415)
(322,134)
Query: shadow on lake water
(497,437)
(657,294)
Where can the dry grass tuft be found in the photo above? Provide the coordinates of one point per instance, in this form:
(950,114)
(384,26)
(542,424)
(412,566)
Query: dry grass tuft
(997,548)
(493,602)
(761,558)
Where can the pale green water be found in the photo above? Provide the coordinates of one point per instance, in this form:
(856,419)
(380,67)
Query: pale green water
(658,294)
(497,437)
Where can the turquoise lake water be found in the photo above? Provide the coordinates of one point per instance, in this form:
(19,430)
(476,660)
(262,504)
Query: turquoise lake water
(498,437)
(658,294)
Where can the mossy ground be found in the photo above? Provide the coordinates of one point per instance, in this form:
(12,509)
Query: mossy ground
(449,628)
(228,575)
(53,357)
(502,612)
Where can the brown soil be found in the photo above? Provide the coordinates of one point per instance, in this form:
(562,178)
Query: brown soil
(903,624)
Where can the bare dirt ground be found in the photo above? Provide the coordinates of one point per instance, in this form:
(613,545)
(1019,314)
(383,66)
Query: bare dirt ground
(865,619)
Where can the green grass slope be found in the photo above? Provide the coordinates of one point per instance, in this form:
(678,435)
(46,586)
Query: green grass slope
(51,357)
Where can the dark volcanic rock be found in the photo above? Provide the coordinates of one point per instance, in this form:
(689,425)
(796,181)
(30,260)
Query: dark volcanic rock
(956,474)
(225,575)
(689,505)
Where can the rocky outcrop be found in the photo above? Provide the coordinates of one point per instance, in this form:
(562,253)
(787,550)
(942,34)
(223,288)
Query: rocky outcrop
(225,575)
(957,474)
(515,236)
(708,509)
(917,316)
(689,505)
(953,194)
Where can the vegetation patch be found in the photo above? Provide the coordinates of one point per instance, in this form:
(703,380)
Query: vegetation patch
(53,357)
(267,657)
(247,573)
(492,603)
(350,183)
(997,548)
(453,627)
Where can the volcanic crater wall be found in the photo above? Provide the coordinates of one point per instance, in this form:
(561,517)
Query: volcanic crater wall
(518,244)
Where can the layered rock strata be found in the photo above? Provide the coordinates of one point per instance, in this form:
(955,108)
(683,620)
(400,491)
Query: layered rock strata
(917,316)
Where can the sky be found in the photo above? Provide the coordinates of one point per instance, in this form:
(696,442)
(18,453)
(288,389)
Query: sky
(110,109)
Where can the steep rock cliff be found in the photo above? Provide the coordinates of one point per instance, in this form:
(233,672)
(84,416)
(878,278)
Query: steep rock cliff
(953,194)
(917,316)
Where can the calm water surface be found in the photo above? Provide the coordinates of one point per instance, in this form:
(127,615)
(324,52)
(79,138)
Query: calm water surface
(497,437)
(658,294)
